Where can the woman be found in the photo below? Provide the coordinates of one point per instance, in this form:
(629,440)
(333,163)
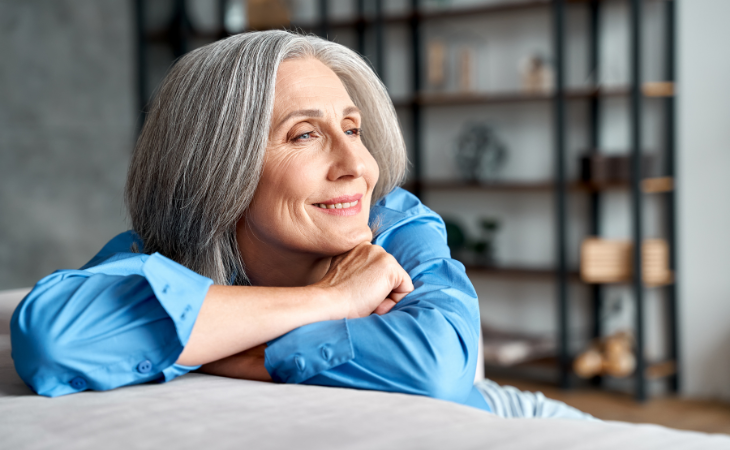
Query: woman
(266,161)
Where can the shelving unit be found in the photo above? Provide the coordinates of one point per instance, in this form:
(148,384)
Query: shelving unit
(179,32)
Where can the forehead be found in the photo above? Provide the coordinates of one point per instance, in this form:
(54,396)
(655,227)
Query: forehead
(308,83)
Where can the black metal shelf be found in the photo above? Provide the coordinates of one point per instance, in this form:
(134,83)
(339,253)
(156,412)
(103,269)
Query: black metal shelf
(180,31)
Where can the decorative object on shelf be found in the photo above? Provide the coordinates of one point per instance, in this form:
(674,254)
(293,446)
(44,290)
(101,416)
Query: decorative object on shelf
(612,356)
(658,89)
(610,261)
(537,75)
(601,170)
(484,249)
(234,19)
(267,14)
(436,66)
(508,348)
(456,238)
(659,184)
(467,69)
(480,251)
(453,58)
(480,154)
(655,262)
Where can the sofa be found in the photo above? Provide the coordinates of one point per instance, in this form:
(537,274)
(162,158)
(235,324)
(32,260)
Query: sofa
(199,411)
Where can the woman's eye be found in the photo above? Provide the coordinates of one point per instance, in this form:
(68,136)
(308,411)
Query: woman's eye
(304,136)
(354,132)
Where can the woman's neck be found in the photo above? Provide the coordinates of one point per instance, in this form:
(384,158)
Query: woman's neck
(275,267)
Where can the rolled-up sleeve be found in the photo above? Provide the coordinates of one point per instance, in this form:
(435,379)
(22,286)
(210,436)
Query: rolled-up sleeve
(427,344)
(121,323)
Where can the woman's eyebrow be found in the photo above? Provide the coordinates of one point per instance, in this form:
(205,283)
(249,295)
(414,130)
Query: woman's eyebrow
(302,113)
(316,113)
(351,109)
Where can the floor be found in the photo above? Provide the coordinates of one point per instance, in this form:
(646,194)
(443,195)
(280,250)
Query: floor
(696,415)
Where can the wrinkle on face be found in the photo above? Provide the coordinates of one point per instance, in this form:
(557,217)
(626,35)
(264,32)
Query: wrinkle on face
(303,169)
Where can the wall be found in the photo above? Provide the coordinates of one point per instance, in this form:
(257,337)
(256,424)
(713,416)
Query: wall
(704,189)
(67,125)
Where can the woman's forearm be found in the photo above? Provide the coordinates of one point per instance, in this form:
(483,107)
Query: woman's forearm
(237,318)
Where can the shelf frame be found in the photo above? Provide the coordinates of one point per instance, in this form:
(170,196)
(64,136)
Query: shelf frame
(180,30)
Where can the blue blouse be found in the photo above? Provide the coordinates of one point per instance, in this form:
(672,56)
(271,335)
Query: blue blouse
(124,319)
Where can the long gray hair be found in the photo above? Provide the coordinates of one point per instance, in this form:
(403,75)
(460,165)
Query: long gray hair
(200,154)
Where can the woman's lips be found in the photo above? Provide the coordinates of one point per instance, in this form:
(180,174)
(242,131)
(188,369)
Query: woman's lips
(346,205)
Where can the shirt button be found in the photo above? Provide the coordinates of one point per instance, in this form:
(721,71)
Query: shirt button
(165,288)
(301,364)
(78,383)
(144,367)
(326,352)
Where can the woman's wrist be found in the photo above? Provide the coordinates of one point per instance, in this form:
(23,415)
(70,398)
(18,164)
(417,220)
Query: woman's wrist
(326,302)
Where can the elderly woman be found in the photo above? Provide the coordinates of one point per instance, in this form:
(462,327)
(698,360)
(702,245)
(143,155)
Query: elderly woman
(269,242)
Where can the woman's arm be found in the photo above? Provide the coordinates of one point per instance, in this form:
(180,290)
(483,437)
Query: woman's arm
(131,319)
(427,344)
(236,318)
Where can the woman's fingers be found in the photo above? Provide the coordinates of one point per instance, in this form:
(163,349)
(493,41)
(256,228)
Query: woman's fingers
(406,284)
(396,297)
(384,307)
(364,278)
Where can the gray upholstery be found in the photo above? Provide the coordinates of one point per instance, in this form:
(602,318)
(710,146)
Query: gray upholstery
(201,412)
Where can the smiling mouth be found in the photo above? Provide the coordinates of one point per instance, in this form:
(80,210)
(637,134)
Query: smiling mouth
(345,205)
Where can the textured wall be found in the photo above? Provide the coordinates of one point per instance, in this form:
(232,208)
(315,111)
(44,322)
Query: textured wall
(704,185)
(67,125)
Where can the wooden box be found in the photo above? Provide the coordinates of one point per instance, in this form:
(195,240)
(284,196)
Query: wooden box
(610,261)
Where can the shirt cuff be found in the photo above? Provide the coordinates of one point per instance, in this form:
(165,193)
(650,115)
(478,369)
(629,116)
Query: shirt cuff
(308,351)
(176,370)
(179,290)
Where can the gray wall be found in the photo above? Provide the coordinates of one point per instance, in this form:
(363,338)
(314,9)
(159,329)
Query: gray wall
(67,126)
(704,189)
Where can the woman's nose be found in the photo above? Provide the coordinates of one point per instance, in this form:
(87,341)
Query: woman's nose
(346,158)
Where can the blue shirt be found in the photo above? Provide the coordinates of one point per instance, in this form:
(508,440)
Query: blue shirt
(124,318)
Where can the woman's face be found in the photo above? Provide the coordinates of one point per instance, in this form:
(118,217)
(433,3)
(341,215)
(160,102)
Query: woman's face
(318,179)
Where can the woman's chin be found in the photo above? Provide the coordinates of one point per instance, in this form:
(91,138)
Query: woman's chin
(338,244)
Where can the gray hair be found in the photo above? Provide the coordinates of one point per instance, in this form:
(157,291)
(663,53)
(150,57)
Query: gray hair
(200,154)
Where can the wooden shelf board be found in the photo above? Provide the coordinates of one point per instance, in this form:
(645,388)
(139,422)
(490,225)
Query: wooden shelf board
(627,281)
(661,369)
(437,14)
(649,185)
(654,370)
(484,9)
(521,272)
(496,186)
(481,98)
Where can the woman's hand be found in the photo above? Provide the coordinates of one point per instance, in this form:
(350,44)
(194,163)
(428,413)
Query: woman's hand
(365,280)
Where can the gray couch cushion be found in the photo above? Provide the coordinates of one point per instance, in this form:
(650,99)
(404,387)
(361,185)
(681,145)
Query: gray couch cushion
(201,412)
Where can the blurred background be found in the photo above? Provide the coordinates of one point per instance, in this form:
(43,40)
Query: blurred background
(550,135)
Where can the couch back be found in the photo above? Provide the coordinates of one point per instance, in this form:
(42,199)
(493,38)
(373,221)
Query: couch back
(8,301)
